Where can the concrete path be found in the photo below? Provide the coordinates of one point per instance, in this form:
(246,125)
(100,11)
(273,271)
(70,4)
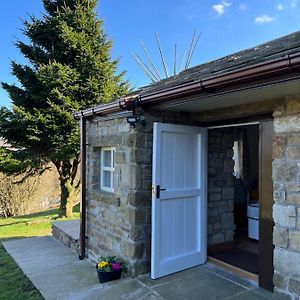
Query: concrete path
(58,274)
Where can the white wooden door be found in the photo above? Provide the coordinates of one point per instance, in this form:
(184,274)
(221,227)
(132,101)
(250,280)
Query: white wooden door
(179,198)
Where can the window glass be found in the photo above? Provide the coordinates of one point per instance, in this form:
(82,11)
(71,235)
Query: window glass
(107,178)
(107,158)
(107,169)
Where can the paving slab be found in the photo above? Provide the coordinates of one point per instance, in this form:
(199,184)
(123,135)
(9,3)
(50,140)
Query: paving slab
(207,284)
(28,242)
(47,264)
(249,295)
(128,288)
(58,281)
(52,268)
(58,274)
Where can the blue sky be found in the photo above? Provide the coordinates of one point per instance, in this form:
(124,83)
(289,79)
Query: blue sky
(225,26)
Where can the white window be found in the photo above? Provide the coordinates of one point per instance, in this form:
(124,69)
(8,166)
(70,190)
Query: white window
(107,169)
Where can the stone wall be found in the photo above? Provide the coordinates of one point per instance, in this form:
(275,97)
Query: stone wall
(286,210)
(220,186)
(119,223)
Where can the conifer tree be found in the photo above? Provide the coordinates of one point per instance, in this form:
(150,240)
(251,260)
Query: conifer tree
(69,69)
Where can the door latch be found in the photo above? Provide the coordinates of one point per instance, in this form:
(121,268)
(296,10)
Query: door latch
(158,189)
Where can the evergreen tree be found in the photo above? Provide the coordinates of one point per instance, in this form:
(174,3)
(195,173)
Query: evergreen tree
(69,69)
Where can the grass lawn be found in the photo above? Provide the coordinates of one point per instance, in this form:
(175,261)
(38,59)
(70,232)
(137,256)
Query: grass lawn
(36,224)
(13,283)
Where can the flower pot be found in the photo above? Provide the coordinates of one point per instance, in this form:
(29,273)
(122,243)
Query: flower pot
(108,276)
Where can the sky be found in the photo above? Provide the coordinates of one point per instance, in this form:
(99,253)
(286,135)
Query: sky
(225,27)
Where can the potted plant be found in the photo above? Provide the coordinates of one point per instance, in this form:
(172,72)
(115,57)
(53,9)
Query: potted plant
(109,268)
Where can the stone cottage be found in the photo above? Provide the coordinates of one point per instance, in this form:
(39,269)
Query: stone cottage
(204,165)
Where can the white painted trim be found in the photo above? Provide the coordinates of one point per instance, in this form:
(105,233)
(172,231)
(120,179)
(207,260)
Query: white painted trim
(109,169)
(233,125)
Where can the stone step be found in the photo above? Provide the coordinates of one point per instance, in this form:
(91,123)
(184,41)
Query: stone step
(67,232)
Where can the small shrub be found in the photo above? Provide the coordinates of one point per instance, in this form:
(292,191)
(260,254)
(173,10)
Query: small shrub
(16,198)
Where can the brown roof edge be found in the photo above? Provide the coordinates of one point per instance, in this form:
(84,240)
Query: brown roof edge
(263,70)
(105,109)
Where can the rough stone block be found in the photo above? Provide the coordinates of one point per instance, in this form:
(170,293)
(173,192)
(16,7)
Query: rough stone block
(139,199)
(213,212)
(294,240)
(140,267)
(229,236)
(279,294)
(214,190)
(279,280)
(279,144)
(287,262)
(216,239)
(119,156)
(284,216)
(130,249)
(135,216)
(294,286)
(131,139)
(287,124)
(284,170)
(227,221)
(147,185)
(294,139)
(293,187)
(214,197)
(131,176)
(279,192)
(293,105)
(280,237)
(143,156)
(294,152)
(124,127)
(217,226)
(141,232)
(294,198)
(228,193)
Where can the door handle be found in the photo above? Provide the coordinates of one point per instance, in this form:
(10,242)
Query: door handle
(158,189)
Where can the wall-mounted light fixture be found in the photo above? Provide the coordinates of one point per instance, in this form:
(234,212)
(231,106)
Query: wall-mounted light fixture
(133,120)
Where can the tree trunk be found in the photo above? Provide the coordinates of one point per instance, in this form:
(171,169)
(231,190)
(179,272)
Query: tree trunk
(69,186)
(67,198)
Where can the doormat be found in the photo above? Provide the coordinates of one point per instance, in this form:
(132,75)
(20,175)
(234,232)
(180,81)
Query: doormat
(239,258)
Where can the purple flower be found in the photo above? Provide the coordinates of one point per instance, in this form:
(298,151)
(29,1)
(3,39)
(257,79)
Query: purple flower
(116,266)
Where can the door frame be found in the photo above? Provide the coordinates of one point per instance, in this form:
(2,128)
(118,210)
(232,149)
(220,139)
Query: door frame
(266,223)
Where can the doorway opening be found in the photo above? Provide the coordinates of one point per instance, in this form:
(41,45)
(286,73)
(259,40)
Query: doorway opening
(234,198)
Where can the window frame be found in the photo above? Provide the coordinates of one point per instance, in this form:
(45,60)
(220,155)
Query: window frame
(110,169)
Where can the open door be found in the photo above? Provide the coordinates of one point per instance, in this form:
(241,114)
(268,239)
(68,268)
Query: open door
(179,206)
